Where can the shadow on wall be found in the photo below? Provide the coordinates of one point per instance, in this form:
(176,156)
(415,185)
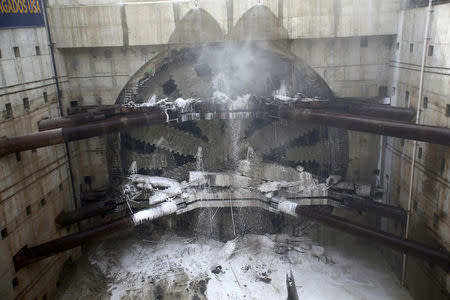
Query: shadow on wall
(259,23)
(197,26)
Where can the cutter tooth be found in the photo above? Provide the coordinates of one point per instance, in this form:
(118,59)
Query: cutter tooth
(169,138)
(308,153)
(277,134)
(153,161)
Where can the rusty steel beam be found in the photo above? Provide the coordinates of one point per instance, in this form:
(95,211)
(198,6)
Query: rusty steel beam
(28,256)
(86,114)
(362,107)
(364,100)
(110,110)
(430,134)
(30,141)
(69,121)
(367,204)
(95,109)
(68,218)
(382,111)
(91,114)
(407,246)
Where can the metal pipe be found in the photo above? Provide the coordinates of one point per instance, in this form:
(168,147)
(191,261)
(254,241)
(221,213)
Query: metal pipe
(75,216)
(111,125)
(30,141)
(61,135)
(382,111)
(70,121)
(413,162)
(371,107)
(88,114)
(360,203)
(362,106)
(84,114)
(28,256)
(393,241)
(430,134)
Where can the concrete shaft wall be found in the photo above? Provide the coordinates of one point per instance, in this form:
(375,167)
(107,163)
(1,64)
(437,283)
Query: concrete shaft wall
(34,185)
(131,23)
(431,184)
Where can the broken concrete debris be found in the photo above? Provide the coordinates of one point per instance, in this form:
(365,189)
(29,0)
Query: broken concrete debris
(228,249)
(216,269)
(317,251)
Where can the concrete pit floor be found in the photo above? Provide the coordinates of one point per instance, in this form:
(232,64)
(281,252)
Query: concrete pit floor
(130,266)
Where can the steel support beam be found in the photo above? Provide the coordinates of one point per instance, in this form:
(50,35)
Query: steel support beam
(30,141)
(28,256)
(86,114)
(369,205)
(69,121)
(430,134)
(382,111)
(390,240)
(371,107)
(75,216)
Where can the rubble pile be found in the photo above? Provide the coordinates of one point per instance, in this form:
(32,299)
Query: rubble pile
(250,267)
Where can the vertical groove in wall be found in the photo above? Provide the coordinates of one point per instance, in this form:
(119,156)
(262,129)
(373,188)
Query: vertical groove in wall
(337,16)
(230,16)
(123,18)
(280,12)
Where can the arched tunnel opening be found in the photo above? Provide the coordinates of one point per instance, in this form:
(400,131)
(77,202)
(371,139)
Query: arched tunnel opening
(238,76)
(239,73)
